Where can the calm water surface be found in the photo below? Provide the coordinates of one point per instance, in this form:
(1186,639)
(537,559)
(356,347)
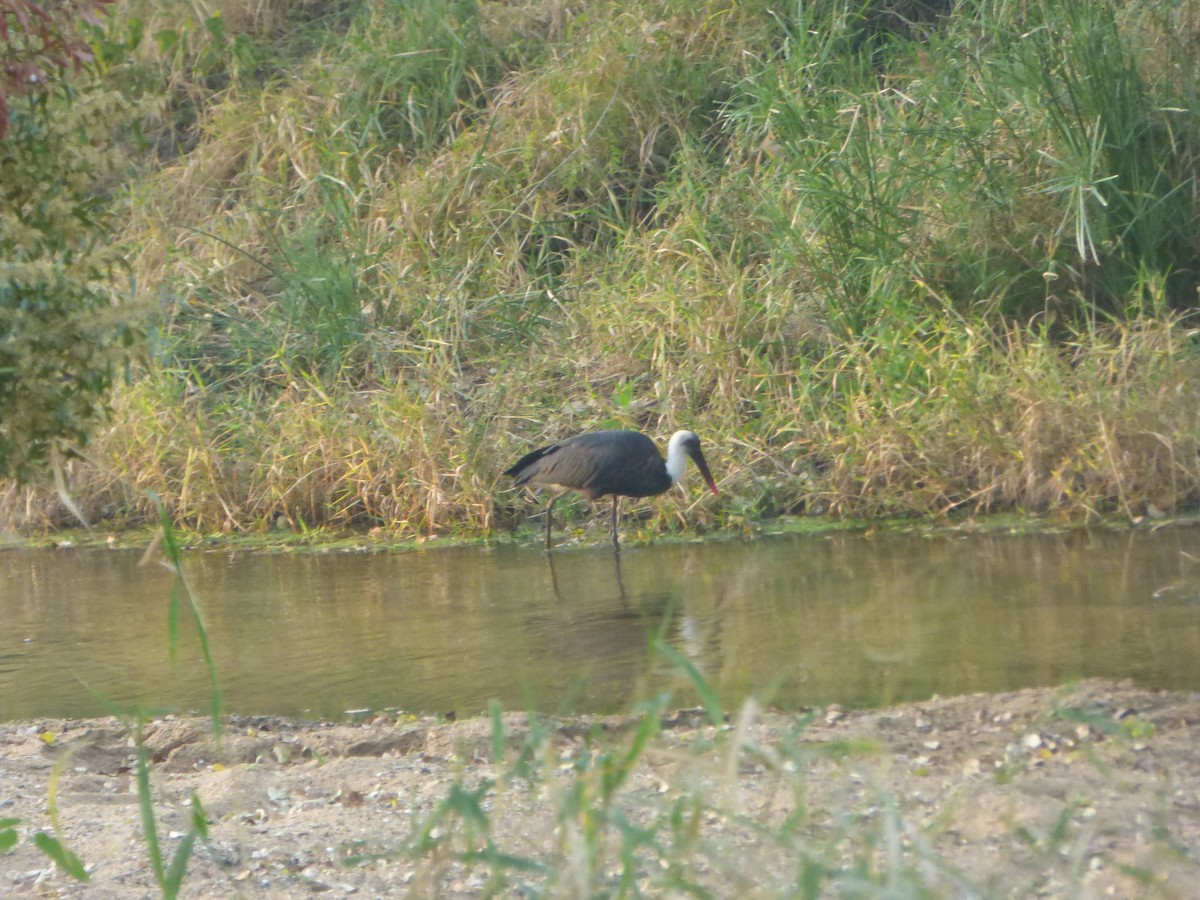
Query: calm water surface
(856,620)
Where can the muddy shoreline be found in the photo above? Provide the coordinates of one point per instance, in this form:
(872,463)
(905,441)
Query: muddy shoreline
(1085,790)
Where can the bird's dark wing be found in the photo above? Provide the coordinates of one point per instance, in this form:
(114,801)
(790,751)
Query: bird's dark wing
(527,466)
(571,464)
(599,463)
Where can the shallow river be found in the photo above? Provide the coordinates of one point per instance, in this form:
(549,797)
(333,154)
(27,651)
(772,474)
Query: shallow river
(857,620)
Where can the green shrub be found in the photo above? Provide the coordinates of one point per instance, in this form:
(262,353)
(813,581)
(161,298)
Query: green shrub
(67,324)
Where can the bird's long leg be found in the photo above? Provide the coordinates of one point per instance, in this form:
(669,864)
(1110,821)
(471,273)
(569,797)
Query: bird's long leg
(550,518)
(615,512)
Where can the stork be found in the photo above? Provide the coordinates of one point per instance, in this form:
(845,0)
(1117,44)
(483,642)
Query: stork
(616,463)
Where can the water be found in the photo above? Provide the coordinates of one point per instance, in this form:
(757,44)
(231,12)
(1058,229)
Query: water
(862,621)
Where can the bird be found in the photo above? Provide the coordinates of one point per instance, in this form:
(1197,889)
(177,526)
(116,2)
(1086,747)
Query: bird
(616,463)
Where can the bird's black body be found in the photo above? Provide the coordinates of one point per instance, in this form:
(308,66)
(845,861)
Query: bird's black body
(608,463)
(596,464)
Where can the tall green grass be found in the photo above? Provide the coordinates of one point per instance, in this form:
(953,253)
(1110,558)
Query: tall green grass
(886,259)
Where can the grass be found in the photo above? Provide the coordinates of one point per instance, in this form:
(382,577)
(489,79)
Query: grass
(652,809)
(932,423)
(905,265)
(708,803)
(909,265)
(616,835)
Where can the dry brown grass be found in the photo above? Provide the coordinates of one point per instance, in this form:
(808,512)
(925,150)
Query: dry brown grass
(653,216)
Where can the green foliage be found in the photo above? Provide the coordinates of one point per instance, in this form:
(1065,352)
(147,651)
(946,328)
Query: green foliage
(52,845)
(38,43)
(8,834)
(415,71)
(712,703)
(1118,153)
(66,325)
(628,813)
(168,875)
(61,856)
(1035,170)
(1133,728)
(180,589)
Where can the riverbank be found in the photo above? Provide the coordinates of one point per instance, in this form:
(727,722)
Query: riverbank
(1004,423)
(1088,790)
(583,532)
(379,265)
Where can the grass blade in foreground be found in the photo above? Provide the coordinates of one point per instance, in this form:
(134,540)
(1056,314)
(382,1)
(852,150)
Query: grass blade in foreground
(51,844)
(708,696)
(173,553)
(8,834)
(63,858)
(169,878)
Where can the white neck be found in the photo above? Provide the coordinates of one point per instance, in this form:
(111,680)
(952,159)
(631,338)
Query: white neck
(676,457)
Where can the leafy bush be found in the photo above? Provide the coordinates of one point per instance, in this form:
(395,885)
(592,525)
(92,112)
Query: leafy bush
(66,324)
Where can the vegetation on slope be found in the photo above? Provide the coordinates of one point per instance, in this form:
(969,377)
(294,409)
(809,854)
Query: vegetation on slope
(886,258)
